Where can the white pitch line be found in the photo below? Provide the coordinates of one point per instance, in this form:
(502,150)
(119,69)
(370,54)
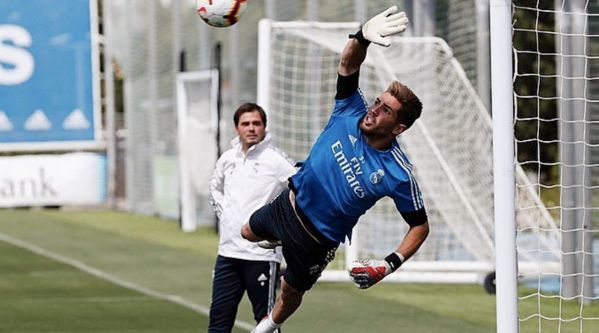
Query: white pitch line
(54,300)
(111,278)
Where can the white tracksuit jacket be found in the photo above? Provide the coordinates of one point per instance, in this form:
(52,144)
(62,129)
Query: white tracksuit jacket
(239,186)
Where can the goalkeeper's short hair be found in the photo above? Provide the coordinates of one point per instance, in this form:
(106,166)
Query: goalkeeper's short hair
(411,107)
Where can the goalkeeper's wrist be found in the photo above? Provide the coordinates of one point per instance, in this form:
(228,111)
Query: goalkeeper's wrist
(359,36)
(395,259)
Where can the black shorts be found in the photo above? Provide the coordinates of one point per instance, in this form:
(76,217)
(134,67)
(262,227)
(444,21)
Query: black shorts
(306,257)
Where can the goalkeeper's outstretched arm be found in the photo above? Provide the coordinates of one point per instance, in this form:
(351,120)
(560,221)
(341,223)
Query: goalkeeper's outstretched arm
(352,57)
(376,30)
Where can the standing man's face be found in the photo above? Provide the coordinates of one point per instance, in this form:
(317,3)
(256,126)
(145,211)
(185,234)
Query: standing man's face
(251,129)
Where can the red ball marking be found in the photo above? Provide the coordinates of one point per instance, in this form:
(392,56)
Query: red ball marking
(232,15)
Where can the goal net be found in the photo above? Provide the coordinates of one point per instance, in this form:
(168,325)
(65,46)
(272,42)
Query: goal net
(450,146)
(556,90)
(197,123)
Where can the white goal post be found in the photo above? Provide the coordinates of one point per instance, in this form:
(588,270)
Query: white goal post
(197,124)
(545,110)
(450,145)
(504,176)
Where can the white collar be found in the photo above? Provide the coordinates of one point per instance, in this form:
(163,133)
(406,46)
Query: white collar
(235,143)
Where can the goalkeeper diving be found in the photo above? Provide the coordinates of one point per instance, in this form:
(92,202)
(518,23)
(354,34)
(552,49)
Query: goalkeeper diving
(355,161)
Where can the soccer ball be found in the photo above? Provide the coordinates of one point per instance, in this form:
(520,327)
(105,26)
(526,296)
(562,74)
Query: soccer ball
(220,13)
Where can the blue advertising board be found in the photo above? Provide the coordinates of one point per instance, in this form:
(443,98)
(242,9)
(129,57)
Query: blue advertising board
(47,65)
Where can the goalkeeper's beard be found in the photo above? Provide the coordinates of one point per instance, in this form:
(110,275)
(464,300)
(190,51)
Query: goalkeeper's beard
(375,131)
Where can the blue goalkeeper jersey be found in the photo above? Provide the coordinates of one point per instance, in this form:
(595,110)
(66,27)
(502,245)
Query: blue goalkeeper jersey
(343,176)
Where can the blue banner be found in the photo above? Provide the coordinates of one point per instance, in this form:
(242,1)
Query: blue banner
(46,71)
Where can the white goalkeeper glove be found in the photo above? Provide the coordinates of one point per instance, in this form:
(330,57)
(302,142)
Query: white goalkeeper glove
(366,273)
(385,24)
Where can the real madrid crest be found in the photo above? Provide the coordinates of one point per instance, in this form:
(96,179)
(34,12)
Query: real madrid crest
(377,176)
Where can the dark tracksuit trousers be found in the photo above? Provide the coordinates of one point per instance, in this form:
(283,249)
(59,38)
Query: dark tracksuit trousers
(232,278)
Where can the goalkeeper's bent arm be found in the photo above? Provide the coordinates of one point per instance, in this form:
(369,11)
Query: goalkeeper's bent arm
(366,273)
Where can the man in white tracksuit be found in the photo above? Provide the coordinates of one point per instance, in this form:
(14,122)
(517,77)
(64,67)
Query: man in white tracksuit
(246,177)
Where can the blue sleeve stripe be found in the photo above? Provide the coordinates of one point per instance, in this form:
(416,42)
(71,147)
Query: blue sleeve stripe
(415,190)
(413,179)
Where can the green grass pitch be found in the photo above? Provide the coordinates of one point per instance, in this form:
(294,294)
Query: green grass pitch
(139,262)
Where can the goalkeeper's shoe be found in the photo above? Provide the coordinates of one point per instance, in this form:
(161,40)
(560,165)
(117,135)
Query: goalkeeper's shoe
(269,245)
(266,325)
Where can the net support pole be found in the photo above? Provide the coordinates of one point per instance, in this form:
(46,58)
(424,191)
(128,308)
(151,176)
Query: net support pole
(424,17)
(111,150)
(269,9)
(236,71)
(263,64)
(503,166)
(483,68)
(360,11)
(204,56)
(312,10)
(575,152)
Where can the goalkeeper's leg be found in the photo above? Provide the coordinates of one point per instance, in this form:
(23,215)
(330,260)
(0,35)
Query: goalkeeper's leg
(286,304)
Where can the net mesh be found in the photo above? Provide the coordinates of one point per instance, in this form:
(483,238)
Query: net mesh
(197,147)
(457,24)
(151,35)
(450,145)
(556,86)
